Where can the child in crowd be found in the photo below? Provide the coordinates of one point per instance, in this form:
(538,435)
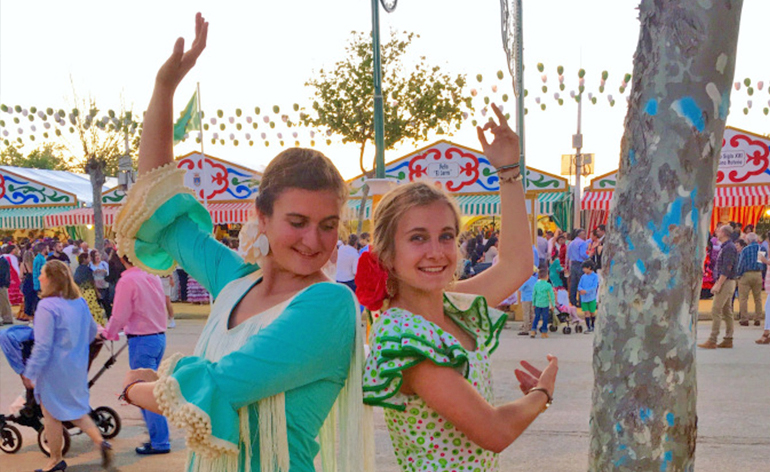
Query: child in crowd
(588,287)
(543,301)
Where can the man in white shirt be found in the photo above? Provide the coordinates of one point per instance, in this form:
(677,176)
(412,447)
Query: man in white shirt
(347,263)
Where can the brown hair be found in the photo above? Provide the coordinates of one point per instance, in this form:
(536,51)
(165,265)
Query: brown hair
(60,282)
(300,168)
(394,205)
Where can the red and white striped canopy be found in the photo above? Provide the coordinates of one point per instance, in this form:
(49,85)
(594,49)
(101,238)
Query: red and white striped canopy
(226,213)
(221,213)
(725,197)
(81,217)
(596,200)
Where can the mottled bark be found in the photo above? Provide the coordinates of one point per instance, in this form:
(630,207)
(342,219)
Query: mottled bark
(644,416)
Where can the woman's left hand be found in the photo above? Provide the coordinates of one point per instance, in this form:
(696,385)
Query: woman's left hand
(143,375)
(504,148)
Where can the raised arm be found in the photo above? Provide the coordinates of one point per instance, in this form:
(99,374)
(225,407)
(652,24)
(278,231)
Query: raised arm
(514,264)
(157,145)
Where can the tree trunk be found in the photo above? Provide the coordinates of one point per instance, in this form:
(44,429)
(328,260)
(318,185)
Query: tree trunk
(644,416)
(95,168)
(365,195)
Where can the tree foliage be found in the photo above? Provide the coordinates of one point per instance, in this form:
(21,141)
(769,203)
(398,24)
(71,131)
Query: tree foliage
(417,98)
(47,156)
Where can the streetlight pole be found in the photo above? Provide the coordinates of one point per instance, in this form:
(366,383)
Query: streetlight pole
(577,143)
(379,112)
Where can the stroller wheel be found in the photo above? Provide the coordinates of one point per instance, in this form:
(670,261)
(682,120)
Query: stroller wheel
(10,439)
(553,328)
(578,329)
(566,330)
(107,420)
(43,442)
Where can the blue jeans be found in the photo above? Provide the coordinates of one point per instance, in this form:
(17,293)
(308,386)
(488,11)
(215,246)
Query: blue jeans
(146,352)
(575,272)
(544,315)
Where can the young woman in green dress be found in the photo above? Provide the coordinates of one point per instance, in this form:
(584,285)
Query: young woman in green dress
(429,364)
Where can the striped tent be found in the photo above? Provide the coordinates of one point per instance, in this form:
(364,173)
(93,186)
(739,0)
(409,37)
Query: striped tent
(724,197)
(547,200)
(28,218)
(221,213)
(354,205)
(229,213)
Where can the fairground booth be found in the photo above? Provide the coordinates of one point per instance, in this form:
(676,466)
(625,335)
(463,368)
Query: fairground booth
(227,189)
(469,177)
(29,196)
(742,187)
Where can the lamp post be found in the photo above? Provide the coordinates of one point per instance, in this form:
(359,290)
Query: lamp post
(513,43)
(379,113)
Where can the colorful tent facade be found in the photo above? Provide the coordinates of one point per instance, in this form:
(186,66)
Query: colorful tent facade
(743,179)
(229,189)
(468,175)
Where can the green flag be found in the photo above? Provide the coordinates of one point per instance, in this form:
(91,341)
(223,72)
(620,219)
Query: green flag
(190,119)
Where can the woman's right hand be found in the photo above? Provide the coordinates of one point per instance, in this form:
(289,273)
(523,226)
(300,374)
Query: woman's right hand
(179,64)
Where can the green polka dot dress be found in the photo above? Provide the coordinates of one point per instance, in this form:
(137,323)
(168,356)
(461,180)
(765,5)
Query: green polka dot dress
(423,440)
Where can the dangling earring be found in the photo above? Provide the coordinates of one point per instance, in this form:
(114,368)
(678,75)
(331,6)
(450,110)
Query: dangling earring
(262,244)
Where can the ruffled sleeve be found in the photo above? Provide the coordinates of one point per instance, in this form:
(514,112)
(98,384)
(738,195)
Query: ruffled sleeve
(476,316)
(400,340)
(162,224)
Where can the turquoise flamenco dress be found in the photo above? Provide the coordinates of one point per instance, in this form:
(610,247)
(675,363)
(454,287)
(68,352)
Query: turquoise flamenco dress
(254,397)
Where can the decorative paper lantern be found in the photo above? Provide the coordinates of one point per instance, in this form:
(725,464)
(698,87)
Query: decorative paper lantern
(294,135)
(760,85)
(263,135)
(213,121)
(33,128)
(494,89)
(266,119)
(248,119)
(238,112)
(748,103)
(474,92)
(215,135)
(280,135)
(544,78)
(312,134)
(231,120)
(537,100)
(484,111)
(248,136)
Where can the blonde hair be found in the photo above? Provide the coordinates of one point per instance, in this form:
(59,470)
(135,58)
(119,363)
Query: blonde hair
(393,206)
(60,282)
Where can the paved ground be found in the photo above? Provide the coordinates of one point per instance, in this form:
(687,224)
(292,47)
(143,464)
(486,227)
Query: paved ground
(733,405)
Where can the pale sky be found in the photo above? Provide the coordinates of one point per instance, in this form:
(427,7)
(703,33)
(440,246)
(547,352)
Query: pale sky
(262,53)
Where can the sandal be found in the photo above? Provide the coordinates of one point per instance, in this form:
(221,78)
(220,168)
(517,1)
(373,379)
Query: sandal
(765,339)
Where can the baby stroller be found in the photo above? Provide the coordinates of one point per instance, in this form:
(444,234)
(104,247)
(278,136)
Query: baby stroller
(16,344)
(566,315)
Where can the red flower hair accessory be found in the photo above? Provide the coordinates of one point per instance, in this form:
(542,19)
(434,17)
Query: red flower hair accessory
(371,281)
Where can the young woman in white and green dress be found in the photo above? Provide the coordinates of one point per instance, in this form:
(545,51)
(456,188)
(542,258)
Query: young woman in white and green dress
(282,343)
(429,365)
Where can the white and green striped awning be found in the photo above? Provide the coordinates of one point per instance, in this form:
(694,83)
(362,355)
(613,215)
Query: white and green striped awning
(547,200)
(353,206)
(473,205)
(478,205)
(27,218)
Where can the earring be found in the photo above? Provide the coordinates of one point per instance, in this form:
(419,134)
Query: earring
(262,245)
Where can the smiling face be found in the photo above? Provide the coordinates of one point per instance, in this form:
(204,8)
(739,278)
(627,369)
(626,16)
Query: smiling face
(302,229)
(425,248)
